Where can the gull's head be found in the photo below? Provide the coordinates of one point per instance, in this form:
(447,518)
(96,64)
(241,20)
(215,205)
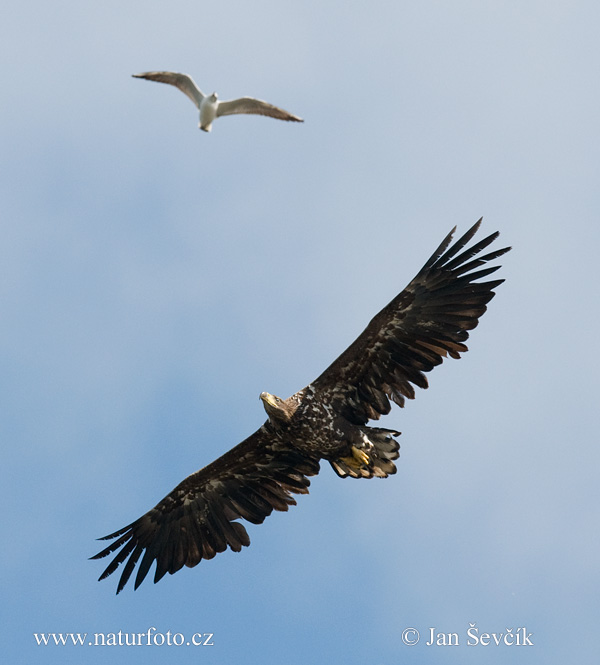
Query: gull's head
(278,410)
(214,97)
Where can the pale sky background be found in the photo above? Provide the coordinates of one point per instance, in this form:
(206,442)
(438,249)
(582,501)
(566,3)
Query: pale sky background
(155,279)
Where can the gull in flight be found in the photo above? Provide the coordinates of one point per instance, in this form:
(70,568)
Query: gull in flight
(209,105)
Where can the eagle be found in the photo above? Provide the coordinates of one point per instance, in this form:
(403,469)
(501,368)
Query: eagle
(327,420)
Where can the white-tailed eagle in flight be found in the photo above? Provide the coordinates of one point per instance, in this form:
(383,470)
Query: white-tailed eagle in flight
(427,322)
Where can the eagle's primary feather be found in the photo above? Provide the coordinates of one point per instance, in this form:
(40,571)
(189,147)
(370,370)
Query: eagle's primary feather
(428,321)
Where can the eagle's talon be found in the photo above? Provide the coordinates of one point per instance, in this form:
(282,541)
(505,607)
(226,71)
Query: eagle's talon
(361,456)
(358,460)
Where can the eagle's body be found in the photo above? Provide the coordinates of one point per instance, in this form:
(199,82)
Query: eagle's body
(426,322)
(309,424)
(306,423)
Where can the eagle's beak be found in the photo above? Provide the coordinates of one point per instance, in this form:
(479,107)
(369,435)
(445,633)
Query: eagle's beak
(266,398)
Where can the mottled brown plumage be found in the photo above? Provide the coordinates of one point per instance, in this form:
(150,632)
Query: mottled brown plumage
(425,323)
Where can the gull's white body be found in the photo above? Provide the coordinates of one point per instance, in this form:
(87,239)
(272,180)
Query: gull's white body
(210,107)
(208,112)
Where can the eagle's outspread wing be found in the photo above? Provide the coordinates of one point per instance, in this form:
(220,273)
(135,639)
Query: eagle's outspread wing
(198,518)
(425,323)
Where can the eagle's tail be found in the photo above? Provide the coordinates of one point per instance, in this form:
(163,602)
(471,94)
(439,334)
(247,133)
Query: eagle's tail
(372,456)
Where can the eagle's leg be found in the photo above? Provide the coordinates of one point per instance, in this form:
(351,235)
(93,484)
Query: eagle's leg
(358,460)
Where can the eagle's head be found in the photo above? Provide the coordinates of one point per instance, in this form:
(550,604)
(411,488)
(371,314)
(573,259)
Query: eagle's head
(278,410)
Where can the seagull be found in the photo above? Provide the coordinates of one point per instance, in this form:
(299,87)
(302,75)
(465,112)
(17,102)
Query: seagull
(209,105)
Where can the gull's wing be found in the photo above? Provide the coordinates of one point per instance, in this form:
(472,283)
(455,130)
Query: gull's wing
(197,519)
(425,323)
(256,107)
(182,81)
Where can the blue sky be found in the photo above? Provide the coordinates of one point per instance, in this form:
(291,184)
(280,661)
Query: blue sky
(155,279)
